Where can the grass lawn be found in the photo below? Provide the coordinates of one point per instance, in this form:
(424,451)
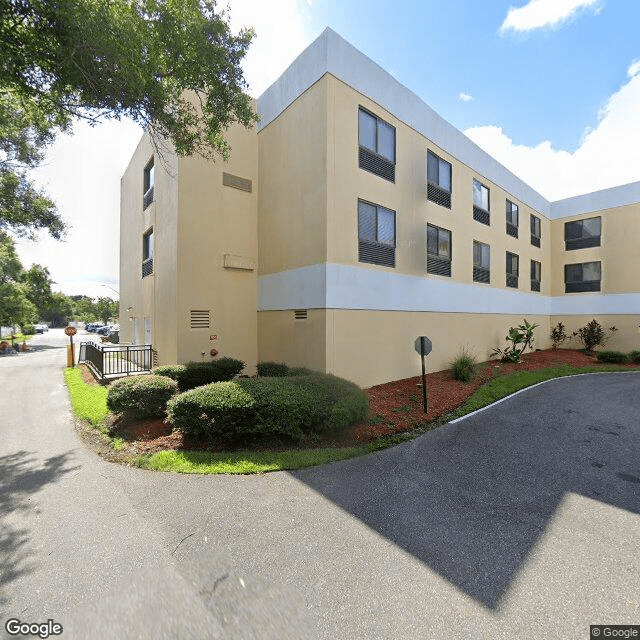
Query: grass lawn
(89,403)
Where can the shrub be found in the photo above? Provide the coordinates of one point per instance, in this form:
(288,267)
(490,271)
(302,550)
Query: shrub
(287,408)
(272,369)
(520,338)
(28,330)
(593,335)
(634,357)
(141,396)
(558,335)
(196,374)
(612,356)
(464,366)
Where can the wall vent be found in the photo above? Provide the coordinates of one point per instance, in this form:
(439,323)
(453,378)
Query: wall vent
(229,180)
(300,314)
(438,195)
(200,319)
(481,215)
(375,163)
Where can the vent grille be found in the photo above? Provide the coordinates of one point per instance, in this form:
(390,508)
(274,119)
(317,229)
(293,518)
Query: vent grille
(481,215)
(438,266)
(512,230)
(579,287)
(147,267)
(300,314)
(375,163)
(535,241)
(582,243)
(200,319)
(481,275)
(377,253)
(147,199)
(535,285)
(512,281)
(229,180)
(438,195)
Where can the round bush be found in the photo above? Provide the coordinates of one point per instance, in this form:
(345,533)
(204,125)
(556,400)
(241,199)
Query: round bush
(634,357)
(141,396)
(196,374)
(252,409)
(615,357)
(272,369)
(28,330)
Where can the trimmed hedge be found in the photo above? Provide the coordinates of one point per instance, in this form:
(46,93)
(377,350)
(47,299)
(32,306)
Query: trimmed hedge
(196,374)
(634,357)
(287,408)
(617,357)
(141,396)
(280,370)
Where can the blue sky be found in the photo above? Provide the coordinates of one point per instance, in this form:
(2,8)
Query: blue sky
(550,88)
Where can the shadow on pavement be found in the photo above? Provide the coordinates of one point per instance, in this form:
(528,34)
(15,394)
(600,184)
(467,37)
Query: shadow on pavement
(20,477)
(471,499)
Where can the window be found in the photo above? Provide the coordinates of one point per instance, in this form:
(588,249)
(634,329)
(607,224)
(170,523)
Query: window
(377,140)
(512,270)
(149,178)
(536,273)
(147,253)
(582,234)
(481,262)
(438,251)
(535,231)
(480,202)
(376,234)
(438,180)
(512,219)
(584,276)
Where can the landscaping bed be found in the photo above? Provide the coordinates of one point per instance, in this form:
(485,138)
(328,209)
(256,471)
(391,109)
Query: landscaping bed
(396,407)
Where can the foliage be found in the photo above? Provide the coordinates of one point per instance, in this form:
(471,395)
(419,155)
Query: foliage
(105,309)
(28,330)
(593,335)
(272,369)
(15,307)
(38,281)
(634,357)
(616,357)
(88,402)
(141,396)
(196,374)
(521,338)
(464,366)
(558,335)
(283,408)
(59,310)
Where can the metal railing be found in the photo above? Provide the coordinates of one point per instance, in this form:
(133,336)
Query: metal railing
(116,360)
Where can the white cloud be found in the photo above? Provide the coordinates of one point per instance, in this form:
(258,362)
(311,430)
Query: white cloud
(465,97)
(281,34)
(538,14)
(634,68)
(608,155)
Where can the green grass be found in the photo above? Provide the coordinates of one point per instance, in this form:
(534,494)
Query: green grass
(501,387)
(88,402)
(19,337)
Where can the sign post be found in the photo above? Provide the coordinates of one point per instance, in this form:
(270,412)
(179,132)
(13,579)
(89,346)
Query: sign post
(423,347)
(71,331)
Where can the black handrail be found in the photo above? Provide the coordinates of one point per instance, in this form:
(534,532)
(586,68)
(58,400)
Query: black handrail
(116,360)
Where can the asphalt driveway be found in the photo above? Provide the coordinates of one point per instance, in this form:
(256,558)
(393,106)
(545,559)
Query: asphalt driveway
(520,521)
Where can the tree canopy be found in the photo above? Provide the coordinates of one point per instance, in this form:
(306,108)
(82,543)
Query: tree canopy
(172,66)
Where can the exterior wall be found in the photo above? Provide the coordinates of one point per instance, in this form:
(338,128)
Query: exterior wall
(293,184)
(156,293)
(373,347)
(626,339)
(218,253)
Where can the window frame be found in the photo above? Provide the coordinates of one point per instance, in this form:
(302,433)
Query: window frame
(436,263)
(369,249)
(435,191)
(371,159)
(480,214)
(535,239)
(582,285)
(478,269)
(512,227)
(582,241)
(536,283)
(511,276)
(147,252)
(148,183)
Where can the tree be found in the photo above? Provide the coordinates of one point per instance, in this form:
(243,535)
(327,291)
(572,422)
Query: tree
(105,309)
(38,281)
(59,310)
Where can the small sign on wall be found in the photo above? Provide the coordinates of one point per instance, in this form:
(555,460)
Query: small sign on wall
(213,337)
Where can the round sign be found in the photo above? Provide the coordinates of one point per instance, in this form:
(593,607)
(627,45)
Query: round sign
(71,331)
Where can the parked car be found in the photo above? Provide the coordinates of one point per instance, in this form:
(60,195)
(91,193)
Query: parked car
(104,330)
(41,328)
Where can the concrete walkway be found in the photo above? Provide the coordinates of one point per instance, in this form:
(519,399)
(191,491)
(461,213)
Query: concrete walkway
(519,522)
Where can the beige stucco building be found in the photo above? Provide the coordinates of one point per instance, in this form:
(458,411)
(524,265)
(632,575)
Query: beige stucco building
(352,220)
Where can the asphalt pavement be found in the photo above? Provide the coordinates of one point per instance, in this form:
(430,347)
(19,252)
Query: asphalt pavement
(521,521)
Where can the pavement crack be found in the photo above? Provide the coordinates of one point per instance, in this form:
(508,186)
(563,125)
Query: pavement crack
(218,581)
(181,541)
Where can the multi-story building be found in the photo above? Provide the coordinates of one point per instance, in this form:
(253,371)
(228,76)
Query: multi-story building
(352,220)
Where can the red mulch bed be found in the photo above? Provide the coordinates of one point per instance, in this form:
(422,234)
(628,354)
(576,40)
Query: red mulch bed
(396,406)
